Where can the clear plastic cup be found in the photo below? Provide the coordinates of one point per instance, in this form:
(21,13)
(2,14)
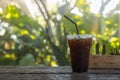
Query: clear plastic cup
(79,51)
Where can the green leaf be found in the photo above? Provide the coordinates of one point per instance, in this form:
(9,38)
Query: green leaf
(27,60)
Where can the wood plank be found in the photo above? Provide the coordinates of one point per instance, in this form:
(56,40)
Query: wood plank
(53,70)
(35,77)
(104,61)
(35,70)
(56,73)
(59,77)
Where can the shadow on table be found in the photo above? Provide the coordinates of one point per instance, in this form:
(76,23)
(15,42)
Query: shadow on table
(79,76)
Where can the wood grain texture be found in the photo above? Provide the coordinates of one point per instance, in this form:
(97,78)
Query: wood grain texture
(56,73)
(104,61)
(59,77)
(100,68)
(52,70)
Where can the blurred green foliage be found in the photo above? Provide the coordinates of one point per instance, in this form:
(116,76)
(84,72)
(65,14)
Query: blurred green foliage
(22,35)
(24,41)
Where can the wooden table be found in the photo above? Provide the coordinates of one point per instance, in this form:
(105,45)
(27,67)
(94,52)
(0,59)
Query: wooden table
(56,73)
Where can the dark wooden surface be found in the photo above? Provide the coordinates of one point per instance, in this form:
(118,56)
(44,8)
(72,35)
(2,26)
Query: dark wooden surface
(56,73)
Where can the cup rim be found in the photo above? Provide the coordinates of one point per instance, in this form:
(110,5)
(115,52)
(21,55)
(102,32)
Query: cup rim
(79,36)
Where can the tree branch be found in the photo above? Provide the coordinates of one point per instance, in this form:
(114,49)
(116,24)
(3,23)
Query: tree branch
(47,13)
(42,13)
(103,6)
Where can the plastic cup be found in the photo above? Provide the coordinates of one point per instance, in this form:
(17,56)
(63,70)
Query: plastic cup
(79,51)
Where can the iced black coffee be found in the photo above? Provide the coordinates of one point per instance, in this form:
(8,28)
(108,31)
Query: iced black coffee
(79,51)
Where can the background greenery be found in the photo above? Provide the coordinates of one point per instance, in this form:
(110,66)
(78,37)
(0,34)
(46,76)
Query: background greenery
(42,40)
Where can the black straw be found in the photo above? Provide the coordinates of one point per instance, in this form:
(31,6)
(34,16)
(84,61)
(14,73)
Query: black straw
(73,23)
